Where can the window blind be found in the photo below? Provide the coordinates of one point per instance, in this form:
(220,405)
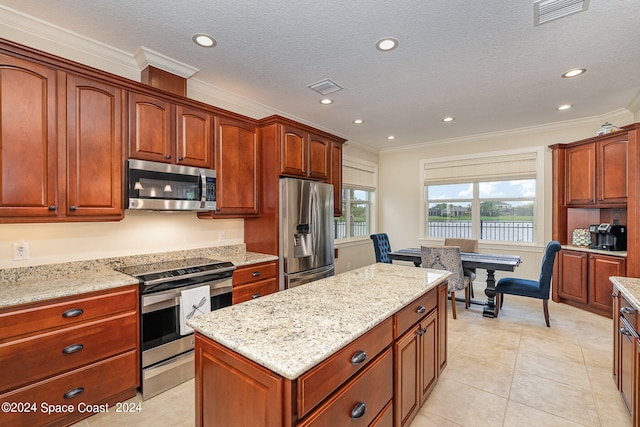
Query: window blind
(481,169)
(357,174)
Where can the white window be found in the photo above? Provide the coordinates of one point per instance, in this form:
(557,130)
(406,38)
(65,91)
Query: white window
(489,198)
(358,200)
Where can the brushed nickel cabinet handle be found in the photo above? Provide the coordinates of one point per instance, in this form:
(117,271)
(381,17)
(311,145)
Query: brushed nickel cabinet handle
(74,312)
(73,348)
(74,392)
(359,357)
(358,410)
(421,309)
(254,296)
(626,310)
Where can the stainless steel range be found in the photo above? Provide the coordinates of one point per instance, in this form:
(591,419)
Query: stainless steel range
(167,355)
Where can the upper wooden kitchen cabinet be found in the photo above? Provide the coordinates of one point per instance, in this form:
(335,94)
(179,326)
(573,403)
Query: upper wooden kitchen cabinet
(163,131)
(62,145)
(304,154)
(336,176)
(596,172)
(237,168)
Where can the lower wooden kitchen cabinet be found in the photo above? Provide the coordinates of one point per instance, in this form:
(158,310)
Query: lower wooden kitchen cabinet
(584,279)
(383,376)
(254,280)
(71,355)
(626,353)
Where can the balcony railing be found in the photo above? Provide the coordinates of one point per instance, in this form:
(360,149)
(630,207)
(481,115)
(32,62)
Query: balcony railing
(357,228)
(514,231)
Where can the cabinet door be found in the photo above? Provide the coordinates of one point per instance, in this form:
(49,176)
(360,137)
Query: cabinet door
(237,167)
(319,157)
(150,128)
(581,175)
(28,139)
(94,148)
(429,355)
(407,367)
(627,363)
(193,137)
(601,267)
(573,275)
(616,336)
(254,290)
(442,326)
(612,170)
(336,177)
(294,151)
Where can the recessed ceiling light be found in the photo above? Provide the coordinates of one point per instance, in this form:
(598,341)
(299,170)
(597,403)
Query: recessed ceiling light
(575,72)
(358,121)
(387,44)
(564,107)
(326,101)
(448,119)
(204,40)
(390,137)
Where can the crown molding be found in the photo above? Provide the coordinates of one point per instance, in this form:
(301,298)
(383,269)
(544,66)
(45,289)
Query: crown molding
(634,104)
(145,57)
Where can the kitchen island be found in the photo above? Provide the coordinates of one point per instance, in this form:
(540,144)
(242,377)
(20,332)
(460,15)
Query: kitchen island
(329,349)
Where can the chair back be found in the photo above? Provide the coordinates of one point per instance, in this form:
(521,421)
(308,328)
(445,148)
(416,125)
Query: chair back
(445,258)
(465,245)
(381,247)
(546,272)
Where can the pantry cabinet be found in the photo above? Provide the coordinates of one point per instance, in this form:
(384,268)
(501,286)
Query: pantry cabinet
(62,145)
(169,132)
(584,279)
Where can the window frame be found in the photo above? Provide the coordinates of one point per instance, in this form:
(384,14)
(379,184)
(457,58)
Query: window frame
(365,176)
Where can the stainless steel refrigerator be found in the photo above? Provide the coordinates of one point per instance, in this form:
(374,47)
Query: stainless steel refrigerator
(306,231)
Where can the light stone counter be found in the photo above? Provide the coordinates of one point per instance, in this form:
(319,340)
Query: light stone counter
(290,332)
(621,254)
(43,282)
(630,289)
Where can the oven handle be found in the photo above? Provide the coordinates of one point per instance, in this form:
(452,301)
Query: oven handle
(160,300)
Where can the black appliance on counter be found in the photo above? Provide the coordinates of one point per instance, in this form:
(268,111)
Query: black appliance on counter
(608,237)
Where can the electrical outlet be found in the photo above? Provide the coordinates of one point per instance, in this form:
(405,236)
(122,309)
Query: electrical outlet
(20,251)
(221,235)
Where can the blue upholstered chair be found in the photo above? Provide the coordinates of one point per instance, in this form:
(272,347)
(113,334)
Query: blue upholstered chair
(530,288)
(382,247)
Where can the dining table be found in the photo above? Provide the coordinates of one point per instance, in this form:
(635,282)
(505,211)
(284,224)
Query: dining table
(472,260)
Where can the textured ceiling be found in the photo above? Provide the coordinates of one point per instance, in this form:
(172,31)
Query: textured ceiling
(483,62)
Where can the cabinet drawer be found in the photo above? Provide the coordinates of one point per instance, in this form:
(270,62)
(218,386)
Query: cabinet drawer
(319,382)
(65,311)
(373,387)
(415,311)
(254,272)
(93,383)
(58,351)
(628,312)
(385,418)
(254,290)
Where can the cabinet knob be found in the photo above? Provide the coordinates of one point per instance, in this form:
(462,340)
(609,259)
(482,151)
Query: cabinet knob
(180,158)
(74,312)
(614,295)
(256,274)
(358,410)
(359,357)
(74,392)
(72,208)
(168,156)
(52,207)
(73,348)
(421,309)
(254,296)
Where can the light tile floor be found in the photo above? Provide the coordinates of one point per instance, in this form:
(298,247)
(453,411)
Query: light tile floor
(510,371)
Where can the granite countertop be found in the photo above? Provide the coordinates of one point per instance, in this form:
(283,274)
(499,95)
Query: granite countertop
(292,331)
(40,283)
(630,289)
(595,251)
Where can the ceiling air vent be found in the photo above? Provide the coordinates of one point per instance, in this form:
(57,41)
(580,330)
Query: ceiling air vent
(325,87)
(548,10)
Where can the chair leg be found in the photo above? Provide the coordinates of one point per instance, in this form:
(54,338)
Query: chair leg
(501,299)
(471,289)
(545,307)
(466,298)
(453,304)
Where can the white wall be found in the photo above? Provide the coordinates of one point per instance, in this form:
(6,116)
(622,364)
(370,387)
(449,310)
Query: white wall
(400,181)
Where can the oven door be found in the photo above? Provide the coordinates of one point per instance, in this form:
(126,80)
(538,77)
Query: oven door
(160,329)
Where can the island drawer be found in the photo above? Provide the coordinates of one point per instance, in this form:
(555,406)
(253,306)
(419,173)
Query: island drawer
(361,400)
(254,290)
(254,272)
(61,312)
(33,358)
(414,312)
(76,390)
(319,382)
(628,312)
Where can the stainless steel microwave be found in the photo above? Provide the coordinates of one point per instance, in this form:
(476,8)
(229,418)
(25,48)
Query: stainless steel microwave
(165,187)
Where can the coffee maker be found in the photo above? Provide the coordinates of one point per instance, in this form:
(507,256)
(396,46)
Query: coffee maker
(608,237)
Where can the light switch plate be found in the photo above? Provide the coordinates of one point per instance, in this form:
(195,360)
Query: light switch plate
(20,251)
